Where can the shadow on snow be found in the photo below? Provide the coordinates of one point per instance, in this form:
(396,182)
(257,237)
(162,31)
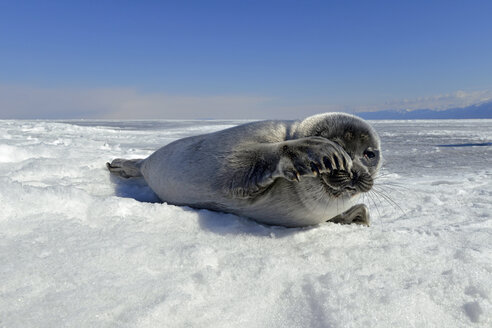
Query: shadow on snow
(217,222)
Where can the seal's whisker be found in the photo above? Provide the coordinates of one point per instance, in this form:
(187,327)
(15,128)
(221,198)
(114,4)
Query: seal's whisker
(374,197)
(369,196)
(384,173)
(338,207)
(366,198)
(327,204)
(387,190)
(379,216)
(390,188)
(394,204)
(389,182)
(393,184)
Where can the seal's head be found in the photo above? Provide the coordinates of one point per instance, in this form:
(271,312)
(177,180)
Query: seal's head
(359,140)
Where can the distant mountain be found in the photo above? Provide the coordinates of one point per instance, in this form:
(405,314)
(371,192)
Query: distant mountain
(475,111)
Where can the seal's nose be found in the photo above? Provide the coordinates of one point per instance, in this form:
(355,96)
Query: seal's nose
(354,177)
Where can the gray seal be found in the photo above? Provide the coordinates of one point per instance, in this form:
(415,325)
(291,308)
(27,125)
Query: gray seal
(287,173)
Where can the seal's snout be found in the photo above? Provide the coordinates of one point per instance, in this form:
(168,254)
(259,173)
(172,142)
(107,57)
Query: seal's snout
(352,182)
(362,182)
(338,178)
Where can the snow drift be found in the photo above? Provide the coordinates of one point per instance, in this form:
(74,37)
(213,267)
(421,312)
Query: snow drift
(81,249)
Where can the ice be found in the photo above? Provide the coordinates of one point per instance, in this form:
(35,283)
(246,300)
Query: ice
(79,248)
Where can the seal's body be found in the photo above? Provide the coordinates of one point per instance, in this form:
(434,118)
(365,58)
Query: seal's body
(289,173)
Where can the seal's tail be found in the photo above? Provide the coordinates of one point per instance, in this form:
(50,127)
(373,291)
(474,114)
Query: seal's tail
(125,168)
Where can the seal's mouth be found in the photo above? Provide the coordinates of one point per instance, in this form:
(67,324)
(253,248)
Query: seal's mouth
(338,183)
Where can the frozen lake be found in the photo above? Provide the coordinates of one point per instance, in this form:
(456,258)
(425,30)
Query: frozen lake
(81,249)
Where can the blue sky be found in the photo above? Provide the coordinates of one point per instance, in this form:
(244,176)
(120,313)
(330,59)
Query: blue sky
(240,59)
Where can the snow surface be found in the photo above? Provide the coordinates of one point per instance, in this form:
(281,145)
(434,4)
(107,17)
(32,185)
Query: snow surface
(81,249)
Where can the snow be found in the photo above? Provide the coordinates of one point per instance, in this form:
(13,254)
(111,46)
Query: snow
(79,248)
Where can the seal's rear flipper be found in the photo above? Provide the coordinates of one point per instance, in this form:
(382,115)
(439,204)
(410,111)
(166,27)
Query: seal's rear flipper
(358,214)
(125,168)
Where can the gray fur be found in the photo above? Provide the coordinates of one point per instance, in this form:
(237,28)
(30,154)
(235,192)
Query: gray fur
(289,173)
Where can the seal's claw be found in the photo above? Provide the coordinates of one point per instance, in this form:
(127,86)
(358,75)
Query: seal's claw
(291,175)
(315,169)
(337,162)
(327,163)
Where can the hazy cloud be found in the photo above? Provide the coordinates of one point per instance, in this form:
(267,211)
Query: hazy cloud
(457,99)
(21,102)
(122,103)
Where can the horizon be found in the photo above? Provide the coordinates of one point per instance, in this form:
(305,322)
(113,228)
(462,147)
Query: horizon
(236,60)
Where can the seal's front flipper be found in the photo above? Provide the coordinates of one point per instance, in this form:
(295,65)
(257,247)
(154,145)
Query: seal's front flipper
(358,214)
(125,168)
(310,157)
(251,170)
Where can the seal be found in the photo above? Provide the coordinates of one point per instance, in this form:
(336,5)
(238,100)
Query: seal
(287,173)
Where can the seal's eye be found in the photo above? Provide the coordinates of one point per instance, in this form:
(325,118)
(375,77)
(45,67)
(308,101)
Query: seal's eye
(369,154)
